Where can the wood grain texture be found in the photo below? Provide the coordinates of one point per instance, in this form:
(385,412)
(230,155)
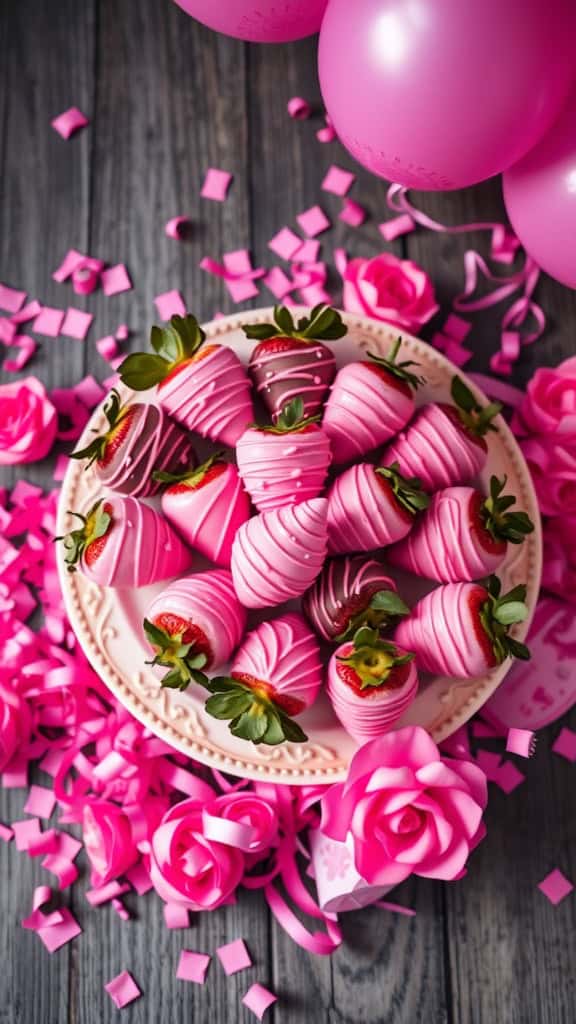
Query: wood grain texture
(167,99)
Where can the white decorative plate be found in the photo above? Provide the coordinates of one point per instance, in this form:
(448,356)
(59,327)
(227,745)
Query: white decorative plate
(108,622)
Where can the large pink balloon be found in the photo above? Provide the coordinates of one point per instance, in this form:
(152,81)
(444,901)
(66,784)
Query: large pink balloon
(440,94)
(540,196)
(259,21)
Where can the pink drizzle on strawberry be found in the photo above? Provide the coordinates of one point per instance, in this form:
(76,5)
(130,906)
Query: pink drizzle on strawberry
(282,653)
(366,407)
(363,513)
(283,469)
(437,449)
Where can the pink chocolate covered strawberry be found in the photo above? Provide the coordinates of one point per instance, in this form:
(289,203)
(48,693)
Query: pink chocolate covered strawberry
(123,543)
(349,593)
(291,359)
(369,508)
(193,625)
(284,464)
(371,683)
(140,441)
(204,387)
(206,506)
(369,402)
(462,535)
(462,629)
(278,554)
(275,675)
(445,445)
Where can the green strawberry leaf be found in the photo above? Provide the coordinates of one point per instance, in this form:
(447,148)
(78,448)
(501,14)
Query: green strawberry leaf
(390,602)
(228,705)
(141,371)
(323,324)
(251,725)
(292,731)
(510,612)
(274,733)
(291,419)
(407,490)
(518,650)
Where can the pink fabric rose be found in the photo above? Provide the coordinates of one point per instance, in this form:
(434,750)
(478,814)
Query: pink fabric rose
(386,288)
(549,406)
(14,725)
(108,840)
(185,866)
(559,559)
(552,465)
(28,422)
(244,820)
(408,809)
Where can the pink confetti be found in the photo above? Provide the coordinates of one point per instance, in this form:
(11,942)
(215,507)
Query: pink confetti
(396,908)
(121,909)
(508,777)
(40,802)
(26,348)
(139,878)
(352,213)
(216,185)
(15,775)
(258,999)
(338,181)
(71,261)
(49,322)
(456,327)
(25,831)
(278,282)
(76,323)
(193,966)
(89,391)
(238,262)
(106,893)
(107,347)
(122,990)
(285,244)
(326,134)
(122,332)
(115,280)
(176,227)
(397,226)
(7,330)
(308,252)
(521,742)
(234,956)
(85,280)
(176,916)
(69,121)
(170,304)
(555,887)
(299,108)
(483,731)
(489,763)
(28,312)
(11,299)
(6,833)
(313,221)
(565,744)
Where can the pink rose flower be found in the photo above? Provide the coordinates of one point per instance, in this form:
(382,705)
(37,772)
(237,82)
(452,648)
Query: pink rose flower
(552,464)
(28,422)
(108,839)
(14,725)
(409,810)
(185,866)
(559,558)
(549,406)
(386,288)
(253,822)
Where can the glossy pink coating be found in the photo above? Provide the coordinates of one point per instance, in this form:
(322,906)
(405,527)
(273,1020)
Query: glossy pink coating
(278,554)
(153,443)
(435,449)
(209,516)
(361,515)
(363,411)
(283,469)
(443,546)
(259,21)
(443,631)
(140,547)
(366,717)
(210,395)
(207,600)
(283,652)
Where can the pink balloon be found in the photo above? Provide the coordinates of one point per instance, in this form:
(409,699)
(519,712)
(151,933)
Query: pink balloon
(540,197)
(259,21)
(440,94)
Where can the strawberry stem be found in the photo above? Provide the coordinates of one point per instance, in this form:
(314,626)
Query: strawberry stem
(383,608)
(291,419)
(372,659)
(398,370)
(95,524)
(498,614)
(407,490)
(476,418)
(323,324)
(251,712)
(173,653)
(501,524)
(173,344)
(96,450)
(192,476)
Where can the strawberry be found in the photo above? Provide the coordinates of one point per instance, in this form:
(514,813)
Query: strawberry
(276,674)
(462,629)
(445,444)
(291,359)
(87,543)
(462,535)
(369,402)
(204,388)
(286,463)
(351,592)
(140,441)
(370,508)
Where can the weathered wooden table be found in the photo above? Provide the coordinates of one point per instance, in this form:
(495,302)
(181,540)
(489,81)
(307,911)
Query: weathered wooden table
(166,99)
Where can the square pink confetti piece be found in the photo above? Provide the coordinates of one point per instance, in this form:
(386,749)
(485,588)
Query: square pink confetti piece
(28,312)
(285,244)
(115,279)
(258,999)
(6,833)
(521,742)
(176,916)
(170,304)
(49,322)
(338,181)
(241,289)
(7,330)
(72,260)
(313,221)
(56,935)
(122,989)
(555,886)
(25,831)
(278,282)
(40,802)
(193,966)
(352,213)
(89,391)
(69,121)
(216,184)
(565,744)
(234,956)
(76,323)
(391,229)
(107,347)
(456,327)
(489,763)
(508,777)
(122,332)
(139,878)
(308,252)
(11,299)
(457,353)
(237,262)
